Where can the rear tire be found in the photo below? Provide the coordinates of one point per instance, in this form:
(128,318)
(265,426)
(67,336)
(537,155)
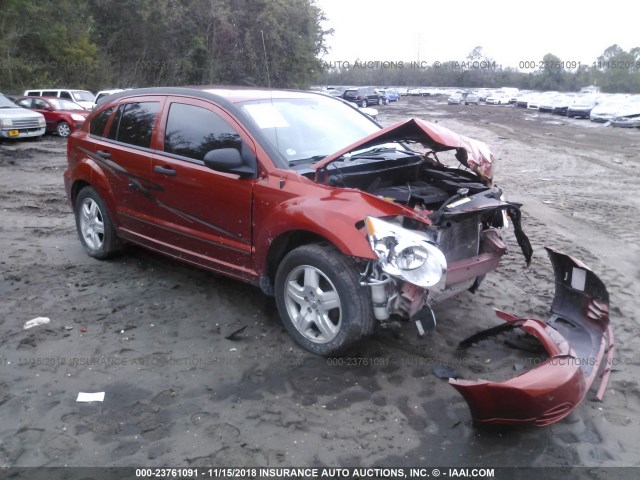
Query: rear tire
(94,225)
(320,300)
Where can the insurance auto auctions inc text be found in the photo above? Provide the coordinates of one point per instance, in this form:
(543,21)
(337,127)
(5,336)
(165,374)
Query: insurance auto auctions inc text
(358,473)
(411,65)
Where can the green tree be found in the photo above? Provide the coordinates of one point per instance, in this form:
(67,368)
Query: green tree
(39,51)
(617,70)
(550,77)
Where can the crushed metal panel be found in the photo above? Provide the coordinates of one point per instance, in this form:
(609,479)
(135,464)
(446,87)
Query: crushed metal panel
(478,156)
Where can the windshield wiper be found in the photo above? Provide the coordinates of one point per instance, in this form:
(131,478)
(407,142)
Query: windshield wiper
(301,161)
(370,154)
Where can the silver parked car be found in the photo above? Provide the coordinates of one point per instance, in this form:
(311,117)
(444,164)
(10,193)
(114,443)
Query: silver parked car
(472,98)
(18,122)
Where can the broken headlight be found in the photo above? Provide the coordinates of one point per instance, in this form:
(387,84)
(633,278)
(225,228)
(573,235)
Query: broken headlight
(406,254)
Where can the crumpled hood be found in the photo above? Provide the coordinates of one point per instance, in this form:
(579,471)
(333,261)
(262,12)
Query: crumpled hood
(478,155)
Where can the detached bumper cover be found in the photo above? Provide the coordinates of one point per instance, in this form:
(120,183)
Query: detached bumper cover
(577,337)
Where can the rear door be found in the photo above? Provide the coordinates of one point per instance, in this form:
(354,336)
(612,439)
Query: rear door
(121,145)
(204,215)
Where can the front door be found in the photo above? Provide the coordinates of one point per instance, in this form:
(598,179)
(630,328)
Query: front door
(204,216)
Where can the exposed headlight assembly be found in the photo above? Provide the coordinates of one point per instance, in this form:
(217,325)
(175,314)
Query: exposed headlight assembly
(7,122)
(407,254)
(77,118)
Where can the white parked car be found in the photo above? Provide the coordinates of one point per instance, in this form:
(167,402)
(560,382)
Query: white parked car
(629,114)
(607,110)
(105,93)
(498,99)
(540,98)
(84,98)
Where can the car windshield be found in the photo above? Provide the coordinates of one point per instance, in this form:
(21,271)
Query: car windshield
(6,103)
(60,104)
(308,128)
(83,96)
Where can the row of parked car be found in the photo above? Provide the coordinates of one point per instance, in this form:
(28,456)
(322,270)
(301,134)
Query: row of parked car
(365,96)
(59,111)
(620,110)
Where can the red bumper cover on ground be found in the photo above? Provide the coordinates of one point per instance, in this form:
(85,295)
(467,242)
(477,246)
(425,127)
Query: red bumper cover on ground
(577,338)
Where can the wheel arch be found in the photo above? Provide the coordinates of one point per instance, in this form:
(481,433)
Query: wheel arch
(280,247)
(88,174)
(75,190)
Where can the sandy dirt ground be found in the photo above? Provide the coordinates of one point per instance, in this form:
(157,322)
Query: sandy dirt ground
(151,332)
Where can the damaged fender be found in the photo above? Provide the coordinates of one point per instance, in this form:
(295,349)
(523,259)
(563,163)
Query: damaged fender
(577,337)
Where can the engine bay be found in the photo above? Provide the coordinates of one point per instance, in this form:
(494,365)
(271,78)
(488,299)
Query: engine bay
(402,176)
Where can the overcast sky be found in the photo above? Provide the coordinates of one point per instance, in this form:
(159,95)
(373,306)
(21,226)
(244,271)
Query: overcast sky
(509,32)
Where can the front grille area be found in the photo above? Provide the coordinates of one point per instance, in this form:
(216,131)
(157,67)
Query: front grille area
(19,123)
(460,239)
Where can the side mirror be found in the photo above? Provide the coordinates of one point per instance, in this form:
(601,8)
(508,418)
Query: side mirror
(230,160)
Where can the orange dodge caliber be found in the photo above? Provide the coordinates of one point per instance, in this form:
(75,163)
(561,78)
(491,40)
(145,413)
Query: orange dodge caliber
(348,224)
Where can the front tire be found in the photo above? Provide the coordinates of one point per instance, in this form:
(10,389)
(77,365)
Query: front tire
(63,129)
(363,104)
(320,300)
(93,222)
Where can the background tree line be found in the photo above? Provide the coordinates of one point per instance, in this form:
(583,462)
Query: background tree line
(616,70)
(98,44)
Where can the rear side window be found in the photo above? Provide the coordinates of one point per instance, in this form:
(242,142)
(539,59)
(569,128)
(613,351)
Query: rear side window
(33,94)
(99,123)
(50,93)
(133,123)
(193,131)
(26,102)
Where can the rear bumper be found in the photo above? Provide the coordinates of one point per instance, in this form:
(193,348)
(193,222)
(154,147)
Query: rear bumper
(579,341)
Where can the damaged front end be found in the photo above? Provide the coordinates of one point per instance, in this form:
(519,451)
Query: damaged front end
(444,233)
(420,265)
(577,338)
(443,236)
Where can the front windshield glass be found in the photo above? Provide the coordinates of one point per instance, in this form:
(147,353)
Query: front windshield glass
(6,103)
(308,128)
(60,104)
(83,96)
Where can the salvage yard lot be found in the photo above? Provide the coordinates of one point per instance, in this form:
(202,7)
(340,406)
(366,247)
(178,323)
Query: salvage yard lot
(152,333)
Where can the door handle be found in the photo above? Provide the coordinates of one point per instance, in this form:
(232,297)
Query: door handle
(164,170)
(103,154)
